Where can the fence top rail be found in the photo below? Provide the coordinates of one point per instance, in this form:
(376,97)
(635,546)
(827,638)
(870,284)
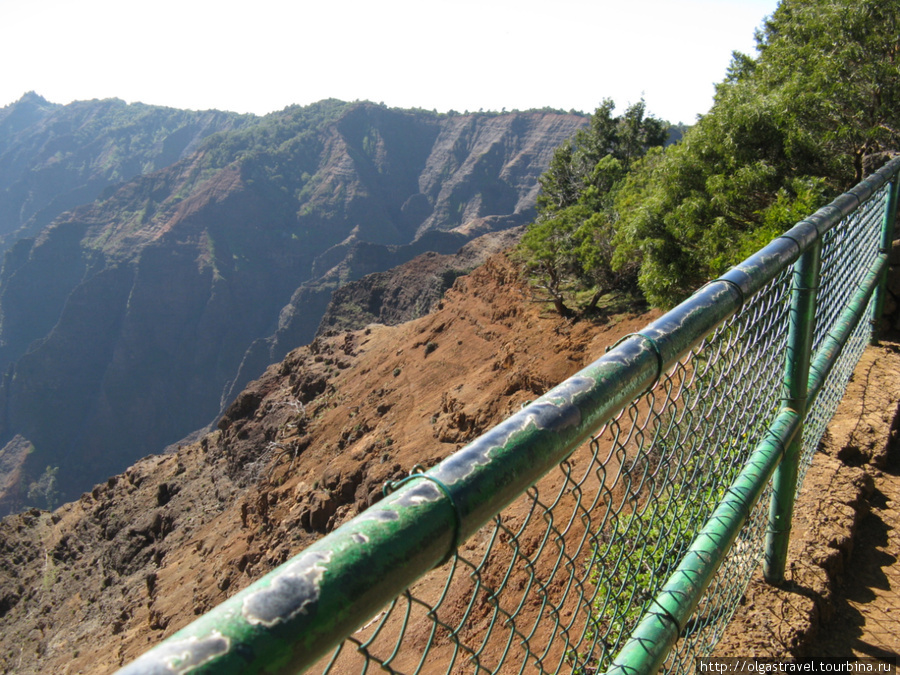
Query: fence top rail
(297,613)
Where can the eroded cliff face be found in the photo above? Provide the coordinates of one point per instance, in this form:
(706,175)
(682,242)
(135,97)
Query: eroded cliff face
(54,157)
(131,322)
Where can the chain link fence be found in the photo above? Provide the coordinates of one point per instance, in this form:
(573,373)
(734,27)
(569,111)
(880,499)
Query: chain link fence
(565,573)
(558,580)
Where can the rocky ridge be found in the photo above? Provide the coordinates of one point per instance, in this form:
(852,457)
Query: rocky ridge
(54,158)
(130,322)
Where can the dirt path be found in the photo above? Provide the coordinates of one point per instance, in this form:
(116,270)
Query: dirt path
(867,605)
(840,597)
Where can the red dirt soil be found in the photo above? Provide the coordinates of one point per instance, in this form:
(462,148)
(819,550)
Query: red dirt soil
(310,444)
(842,591)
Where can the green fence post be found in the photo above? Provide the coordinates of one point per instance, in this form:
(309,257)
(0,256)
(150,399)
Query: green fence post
(667,616)
(796,378)
(887,238)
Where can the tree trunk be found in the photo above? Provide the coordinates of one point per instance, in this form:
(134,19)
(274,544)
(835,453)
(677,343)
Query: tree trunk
(561,307)
(592,305)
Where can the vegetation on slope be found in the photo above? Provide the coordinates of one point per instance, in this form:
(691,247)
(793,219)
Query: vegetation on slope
(569,247)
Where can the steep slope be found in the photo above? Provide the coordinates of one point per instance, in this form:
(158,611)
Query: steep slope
(129,323)
(411,290)
(304,448)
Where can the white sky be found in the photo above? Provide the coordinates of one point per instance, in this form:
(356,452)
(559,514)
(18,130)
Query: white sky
(263,55)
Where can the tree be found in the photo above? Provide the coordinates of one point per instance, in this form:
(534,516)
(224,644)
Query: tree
(568,249)
(838,63)
(789,129)
(549,249)
(560,183)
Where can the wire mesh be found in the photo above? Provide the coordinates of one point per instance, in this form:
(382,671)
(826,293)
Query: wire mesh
(560,578)
(563,575)
(848,253)
(825,405)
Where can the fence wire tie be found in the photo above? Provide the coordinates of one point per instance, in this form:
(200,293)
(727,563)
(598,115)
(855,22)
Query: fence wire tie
(796,243)
(777,439)
(794,403)
(746,508)
(418,471)
(656,349)
(661,612)
(735,285)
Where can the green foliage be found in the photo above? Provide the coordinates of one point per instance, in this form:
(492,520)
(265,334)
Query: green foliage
(549,248)
(811,115)
(837,64)
(806,119)
(643,545)
(657,536)
(277,140)
(560,183)
(43,492)
(569,248)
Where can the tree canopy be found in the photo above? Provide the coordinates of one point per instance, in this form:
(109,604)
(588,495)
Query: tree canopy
(810,115)
(568,248)
(807,118)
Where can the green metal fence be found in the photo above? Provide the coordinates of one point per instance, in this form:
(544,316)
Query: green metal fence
(611,525)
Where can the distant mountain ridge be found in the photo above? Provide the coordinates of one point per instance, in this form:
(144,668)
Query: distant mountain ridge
(131,320)
(54,157)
